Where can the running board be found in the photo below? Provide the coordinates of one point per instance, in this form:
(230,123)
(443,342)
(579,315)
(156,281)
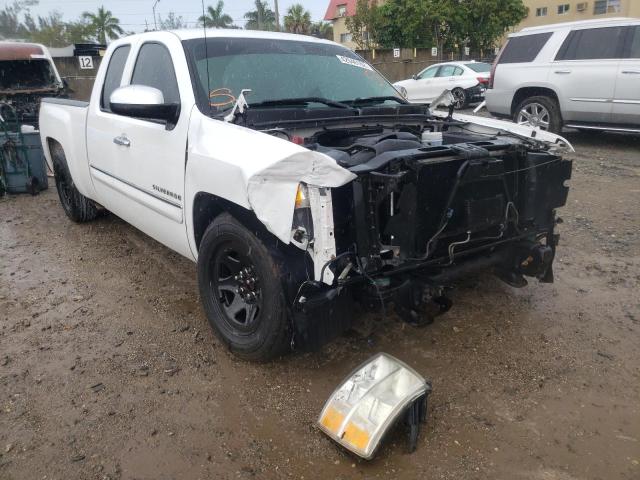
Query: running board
(603,127)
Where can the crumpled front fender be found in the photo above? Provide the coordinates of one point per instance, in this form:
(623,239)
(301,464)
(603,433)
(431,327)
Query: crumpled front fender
(272,191)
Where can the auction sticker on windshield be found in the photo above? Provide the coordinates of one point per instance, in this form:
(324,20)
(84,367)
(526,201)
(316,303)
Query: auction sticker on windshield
(354,62)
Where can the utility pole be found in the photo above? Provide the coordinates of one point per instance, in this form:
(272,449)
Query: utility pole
(277,16)
(155,23)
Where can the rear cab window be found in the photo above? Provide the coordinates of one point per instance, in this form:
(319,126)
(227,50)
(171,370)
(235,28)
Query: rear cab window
(593,44)
(524,48)
(113,77)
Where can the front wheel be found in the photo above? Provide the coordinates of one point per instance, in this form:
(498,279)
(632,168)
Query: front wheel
(541,112)
(241,291)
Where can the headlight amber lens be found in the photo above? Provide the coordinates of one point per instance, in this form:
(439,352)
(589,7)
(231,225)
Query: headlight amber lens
(368,402)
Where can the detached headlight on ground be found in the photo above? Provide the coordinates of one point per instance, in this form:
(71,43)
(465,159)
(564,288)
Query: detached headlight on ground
(370,401)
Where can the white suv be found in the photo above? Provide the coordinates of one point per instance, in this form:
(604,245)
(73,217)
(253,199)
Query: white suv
(584,75)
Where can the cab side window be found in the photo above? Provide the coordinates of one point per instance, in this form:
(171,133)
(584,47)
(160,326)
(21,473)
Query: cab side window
(634,47)
(154,68)
(447,71)
(113,78)
(592,44)
(428,73)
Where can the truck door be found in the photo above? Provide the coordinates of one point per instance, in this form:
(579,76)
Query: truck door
(626,104)
(138,165)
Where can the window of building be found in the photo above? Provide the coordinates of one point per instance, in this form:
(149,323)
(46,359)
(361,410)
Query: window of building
(342,10)
(564,8)
(600,7)
(345,37)
(541,12)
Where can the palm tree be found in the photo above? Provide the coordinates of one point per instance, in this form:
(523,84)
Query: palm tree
(297,19)
(322,30)
(216,18)
(262,18)
(103,24)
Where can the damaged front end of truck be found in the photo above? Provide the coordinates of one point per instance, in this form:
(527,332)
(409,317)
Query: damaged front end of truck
(417,215)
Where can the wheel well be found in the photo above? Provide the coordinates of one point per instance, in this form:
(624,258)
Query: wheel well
(527,92)
(206,207)
(56,152)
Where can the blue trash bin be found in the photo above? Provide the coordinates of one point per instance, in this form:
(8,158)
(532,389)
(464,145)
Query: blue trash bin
(23,162)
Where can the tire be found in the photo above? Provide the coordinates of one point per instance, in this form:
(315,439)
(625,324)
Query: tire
(78,208)
(241,292)
(548,117)
(461,99)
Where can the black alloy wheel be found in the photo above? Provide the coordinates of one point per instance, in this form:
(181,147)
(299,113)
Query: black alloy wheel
(235,282)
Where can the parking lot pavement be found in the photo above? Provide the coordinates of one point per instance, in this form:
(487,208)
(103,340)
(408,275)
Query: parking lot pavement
(108,368)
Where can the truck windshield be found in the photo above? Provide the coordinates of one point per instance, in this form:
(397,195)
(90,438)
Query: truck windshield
(26,75)
(281,69)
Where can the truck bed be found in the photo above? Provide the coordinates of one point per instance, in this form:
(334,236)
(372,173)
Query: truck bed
(64,121)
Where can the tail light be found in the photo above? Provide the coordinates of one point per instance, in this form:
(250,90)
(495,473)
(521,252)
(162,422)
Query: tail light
(484,81)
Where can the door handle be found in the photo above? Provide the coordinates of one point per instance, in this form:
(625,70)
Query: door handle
(562,72)
(122,140)
(631,72)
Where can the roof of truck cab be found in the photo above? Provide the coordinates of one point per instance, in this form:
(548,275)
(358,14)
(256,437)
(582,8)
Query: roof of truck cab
(21,51)
(192,33)
(599,22)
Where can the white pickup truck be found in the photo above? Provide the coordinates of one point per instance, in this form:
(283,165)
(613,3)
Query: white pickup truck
(301,182)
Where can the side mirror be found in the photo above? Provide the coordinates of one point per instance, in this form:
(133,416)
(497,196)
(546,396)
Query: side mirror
(140,101)
(414,77)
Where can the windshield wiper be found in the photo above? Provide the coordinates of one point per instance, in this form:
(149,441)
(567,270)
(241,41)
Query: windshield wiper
(373,100)
(299,101)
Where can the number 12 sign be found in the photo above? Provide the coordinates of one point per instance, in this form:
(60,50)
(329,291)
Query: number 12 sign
(86,63)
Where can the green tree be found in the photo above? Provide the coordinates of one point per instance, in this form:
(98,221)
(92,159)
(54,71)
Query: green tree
(103,25)
(172,22)
(400,23)
(445,24)
(484,22)
(322,30)
(262,18)
(362,25)
(216,18)
(297,19)
(52,31)
(10,24)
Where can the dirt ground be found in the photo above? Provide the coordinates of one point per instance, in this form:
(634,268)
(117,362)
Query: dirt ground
(108,368)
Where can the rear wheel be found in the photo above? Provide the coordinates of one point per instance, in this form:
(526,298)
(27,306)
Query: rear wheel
(241,291)
(542,112)
(78,208)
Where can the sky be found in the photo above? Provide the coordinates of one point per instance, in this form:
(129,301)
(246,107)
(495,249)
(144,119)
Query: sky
(133,13)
